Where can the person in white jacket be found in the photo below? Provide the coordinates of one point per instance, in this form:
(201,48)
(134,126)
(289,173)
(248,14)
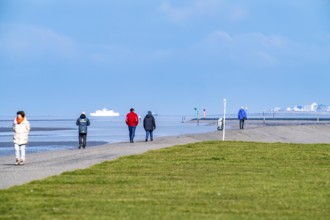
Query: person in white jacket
(21,129)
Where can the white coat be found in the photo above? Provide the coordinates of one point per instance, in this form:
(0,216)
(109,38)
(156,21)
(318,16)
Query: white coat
(21,132)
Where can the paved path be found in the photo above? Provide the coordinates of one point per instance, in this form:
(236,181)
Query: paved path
(45,164)
(288,134)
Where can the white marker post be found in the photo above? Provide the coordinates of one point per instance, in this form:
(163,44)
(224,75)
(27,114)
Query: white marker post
(224,119)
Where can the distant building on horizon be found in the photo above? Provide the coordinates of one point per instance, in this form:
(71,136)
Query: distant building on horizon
(276,109)
(310,108)
(314,107)
(298,108)
(323,108)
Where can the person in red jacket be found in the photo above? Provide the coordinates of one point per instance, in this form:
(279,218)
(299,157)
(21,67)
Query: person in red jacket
(132,120)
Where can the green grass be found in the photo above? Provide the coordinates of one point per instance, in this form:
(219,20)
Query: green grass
(208,180)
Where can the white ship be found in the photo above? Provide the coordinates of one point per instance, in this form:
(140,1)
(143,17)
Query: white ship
(105,112)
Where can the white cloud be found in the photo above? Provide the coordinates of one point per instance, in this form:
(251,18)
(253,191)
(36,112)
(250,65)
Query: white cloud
(119,55)
(238,13)
(216,35)
(256,49)
(246,49)
(24,41)
(203,8)
(176,14)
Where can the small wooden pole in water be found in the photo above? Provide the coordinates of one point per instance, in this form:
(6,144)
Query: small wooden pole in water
(263,113)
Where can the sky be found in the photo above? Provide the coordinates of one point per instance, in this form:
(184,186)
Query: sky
(61,57)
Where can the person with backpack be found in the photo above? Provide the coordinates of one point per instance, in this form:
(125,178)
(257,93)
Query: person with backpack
(21,128)
(149,125)
(83,122)
(242,117)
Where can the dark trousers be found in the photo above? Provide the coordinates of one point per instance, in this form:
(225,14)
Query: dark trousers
(82,140)
(151,135)
(241,124)
(131,130)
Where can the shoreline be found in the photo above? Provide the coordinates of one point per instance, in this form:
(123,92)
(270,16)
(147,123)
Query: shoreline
(42,144)
(49,163)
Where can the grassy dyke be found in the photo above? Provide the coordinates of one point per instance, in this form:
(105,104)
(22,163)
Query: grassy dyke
(207,180)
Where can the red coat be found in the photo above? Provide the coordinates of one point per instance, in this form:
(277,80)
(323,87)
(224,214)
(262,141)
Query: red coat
(132,119)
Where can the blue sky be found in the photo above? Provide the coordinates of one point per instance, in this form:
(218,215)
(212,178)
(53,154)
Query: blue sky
(62,57)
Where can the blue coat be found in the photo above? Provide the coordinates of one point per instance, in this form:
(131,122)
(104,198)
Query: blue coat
(242,114)
(83,123)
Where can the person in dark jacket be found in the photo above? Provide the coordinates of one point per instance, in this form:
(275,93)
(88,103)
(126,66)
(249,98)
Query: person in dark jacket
(83,122)
(149,125)
(242,117)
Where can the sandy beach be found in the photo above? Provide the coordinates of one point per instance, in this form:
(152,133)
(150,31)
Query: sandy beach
(45,164)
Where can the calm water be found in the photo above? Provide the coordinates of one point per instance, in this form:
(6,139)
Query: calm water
(54,133)
(50,133)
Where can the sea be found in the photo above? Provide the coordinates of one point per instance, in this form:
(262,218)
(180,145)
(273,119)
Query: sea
(56,133)
(51,133)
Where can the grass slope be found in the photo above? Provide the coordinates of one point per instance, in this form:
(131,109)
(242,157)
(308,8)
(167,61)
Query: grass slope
(208,180)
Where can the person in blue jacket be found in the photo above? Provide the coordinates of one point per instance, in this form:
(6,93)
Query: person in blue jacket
(242,117)
(83,122)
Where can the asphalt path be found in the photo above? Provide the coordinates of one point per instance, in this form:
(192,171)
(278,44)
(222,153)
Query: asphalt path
(44,164)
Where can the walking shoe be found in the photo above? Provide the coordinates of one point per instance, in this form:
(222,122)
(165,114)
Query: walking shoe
(17,162)
(22,162)
(146,140)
